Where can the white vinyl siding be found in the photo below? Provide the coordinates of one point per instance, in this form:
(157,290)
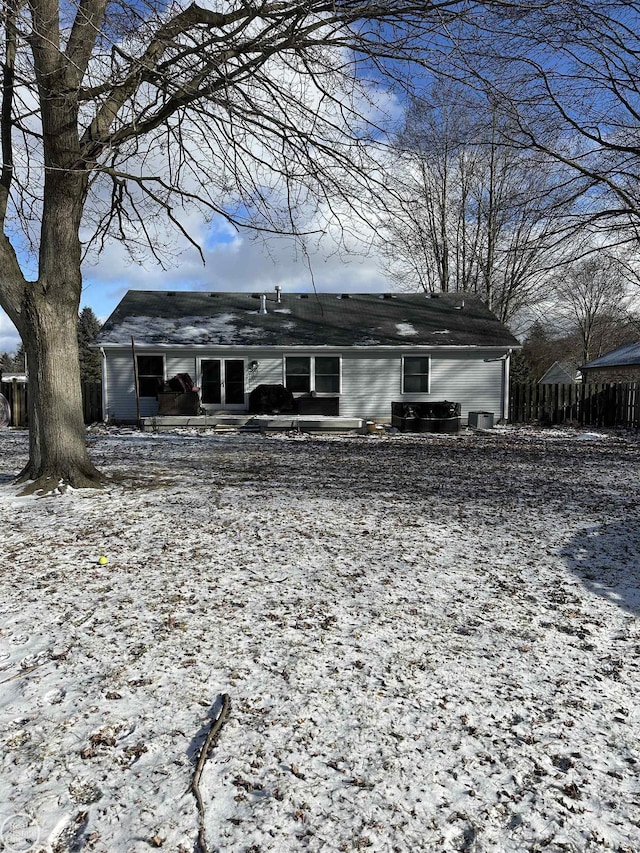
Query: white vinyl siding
(121,402)
(476,383)
(372,381)
(369,380)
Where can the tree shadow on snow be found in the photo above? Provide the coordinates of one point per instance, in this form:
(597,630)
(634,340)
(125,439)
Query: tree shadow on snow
(606,558)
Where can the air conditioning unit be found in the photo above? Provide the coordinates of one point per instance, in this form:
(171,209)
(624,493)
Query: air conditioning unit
(481,420)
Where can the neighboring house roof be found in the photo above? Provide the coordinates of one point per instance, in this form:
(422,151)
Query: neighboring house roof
(10,377)
(624,355)
(163,318)
(560,372)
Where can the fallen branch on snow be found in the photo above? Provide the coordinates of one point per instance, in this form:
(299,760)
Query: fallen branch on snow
(212,736)
(25,671)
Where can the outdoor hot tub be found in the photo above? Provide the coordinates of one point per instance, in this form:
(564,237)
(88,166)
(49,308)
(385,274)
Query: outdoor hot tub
(442,416)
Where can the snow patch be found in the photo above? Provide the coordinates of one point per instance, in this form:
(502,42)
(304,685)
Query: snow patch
(222,329)
(406,330)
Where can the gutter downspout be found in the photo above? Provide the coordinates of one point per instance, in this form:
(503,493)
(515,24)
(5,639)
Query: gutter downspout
(506,372)
(105,392)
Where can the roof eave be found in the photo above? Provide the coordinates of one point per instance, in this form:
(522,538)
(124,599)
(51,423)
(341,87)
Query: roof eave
(350,347)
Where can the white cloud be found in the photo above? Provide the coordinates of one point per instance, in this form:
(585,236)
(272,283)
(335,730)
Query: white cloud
(9,337)
(239,264)
(235,261)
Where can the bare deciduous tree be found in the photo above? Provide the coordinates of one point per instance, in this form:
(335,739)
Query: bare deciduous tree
(113,113)
(478,213)
(592,301)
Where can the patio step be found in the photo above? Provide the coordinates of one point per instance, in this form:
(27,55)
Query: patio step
(253,423)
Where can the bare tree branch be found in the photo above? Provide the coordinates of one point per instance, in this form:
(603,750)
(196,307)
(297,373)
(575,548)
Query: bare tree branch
(569,72)
(477,214)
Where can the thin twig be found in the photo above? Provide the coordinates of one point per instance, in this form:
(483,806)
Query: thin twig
(208,745)
(25,671)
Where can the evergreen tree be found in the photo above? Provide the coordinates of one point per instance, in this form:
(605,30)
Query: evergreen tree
(18,364)
(88,328)
(540,349)
(12,363)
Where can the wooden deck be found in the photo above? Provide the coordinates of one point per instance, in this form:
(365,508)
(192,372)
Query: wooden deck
(253,423)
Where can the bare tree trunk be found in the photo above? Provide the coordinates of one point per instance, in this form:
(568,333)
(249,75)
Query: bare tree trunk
(57,446)
(48,325)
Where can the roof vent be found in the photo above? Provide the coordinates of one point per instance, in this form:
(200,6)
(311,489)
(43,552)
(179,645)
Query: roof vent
(263,303)
(256,295)
(345,296)
(278,290)
(303,296)
(214,295)
(388,296)
(171,293)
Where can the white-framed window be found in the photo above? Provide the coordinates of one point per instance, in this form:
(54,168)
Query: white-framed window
(150,374)
(416,374)
(306,373)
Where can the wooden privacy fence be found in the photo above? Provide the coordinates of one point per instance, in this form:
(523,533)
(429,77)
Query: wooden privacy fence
(601,404)
(16,394)
(92,401)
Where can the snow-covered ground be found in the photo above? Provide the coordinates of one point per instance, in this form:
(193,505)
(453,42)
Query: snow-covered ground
(429,643)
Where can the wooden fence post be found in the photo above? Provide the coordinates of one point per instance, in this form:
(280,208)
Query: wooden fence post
(19,407)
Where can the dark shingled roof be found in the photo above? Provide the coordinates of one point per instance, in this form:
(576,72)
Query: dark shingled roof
(627,354)
(313,320)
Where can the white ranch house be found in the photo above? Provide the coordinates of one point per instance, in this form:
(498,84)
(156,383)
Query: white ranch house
(362,350)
